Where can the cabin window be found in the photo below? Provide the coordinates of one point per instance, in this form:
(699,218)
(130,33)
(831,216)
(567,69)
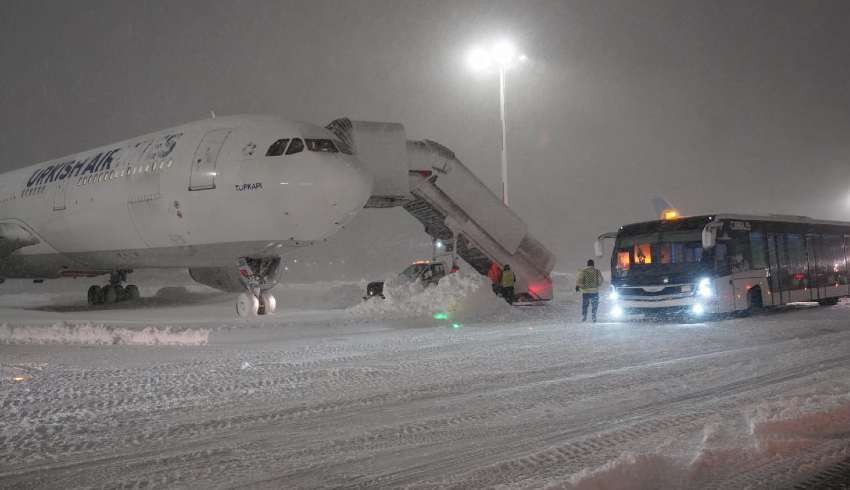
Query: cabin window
(277,148)
(297,146)
(324,146)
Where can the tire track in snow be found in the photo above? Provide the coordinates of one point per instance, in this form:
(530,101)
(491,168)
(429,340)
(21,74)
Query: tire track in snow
(515,454)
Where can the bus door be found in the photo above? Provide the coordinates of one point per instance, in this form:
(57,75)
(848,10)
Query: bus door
(845,262)
(774,241)
(813,274)
(794,268)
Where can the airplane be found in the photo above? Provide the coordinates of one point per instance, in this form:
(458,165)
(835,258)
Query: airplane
(228,197)
(225,197)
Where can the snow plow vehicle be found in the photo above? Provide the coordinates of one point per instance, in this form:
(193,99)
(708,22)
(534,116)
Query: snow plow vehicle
(426,272)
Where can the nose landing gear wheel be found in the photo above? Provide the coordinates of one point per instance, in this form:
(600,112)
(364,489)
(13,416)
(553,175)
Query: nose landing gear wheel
(247,305)
(269,303)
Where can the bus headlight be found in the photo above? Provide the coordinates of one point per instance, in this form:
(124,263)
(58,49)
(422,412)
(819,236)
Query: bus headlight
(698,309)
(705,288)
(617,312)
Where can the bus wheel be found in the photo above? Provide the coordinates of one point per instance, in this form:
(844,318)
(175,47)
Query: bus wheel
(754,302)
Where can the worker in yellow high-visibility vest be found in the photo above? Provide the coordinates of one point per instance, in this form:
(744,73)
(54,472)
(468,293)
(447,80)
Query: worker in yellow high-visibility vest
(507,282)
(588,282)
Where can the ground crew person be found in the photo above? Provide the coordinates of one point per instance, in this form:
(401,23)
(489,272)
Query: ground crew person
(495,275)
(588,282)
(507,283)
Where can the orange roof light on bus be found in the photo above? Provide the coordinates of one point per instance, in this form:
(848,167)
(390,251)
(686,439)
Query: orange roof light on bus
(668,214)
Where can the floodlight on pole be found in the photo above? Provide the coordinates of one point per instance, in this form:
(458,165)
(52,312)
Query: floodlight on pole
(501,56)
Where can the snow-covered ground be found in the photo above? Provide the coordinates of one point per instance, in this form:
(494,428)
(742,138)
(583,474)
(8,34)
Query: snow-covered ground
(174,391)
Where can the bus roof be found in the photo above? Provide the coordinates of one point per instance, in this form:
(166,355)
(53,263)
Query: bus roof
(774,218)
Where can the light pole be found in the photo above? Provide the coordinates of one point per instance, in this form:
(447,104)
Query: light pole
(501,55)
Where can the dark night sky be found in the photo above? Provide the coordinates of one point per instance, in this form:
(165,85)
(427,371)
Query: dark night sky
(719,106)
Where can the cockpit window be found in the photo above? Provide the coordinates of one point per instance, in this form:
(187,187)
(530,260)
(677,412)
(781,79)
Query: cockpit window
(276,149)
(325,146)
(297,146)
(343,147)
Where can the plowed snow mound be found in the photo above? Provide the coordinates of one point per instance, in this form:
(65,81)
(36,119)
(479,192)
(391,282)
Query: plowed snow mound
(785,427)
(89,334)
(461,297)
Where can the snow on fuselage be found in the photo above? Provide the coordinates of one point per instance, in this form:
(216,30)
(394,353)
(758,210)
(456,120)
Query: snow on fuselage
(200,194)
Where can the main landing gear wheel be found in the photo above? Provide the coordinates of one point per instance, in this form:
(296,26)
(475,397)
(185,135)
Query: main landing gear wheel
(247,305)
(269,303)
(95,295)
(132,292)
(110,294)
(113,292)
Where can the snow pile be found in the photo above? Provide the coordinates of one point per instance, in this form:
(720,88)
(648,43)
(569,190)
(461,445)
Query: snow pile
(771,430)
(785,426)
(32,300)
(460,297)
(89,334)
(630,472)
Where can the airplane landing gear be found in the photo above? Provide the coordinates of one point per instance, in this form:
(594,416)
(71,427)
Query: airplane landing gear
(268,301)
(258,276)
(247,305)
(115,291)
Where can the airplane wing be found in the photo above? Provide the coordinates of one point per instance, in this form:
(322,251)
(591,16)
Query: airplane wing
(13,237)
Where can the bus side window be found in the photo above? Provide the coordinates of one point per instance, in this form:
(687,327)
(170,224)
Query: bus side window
(757,250)
(794,262)
(831,263)
(733,252)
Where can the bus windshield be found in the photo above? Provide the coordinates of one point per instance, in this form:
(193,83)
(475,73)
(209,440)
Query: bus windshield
(669,252)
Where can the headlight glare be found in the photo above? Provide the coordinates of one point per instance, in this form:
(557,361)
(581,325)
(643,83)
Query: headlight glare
(705,288)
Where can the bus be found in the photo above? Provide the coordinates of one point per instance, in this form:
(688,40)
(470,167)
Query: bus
(726,264)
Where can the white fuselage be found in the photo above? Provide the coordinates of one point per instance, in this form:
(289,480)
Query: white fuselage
(200,194)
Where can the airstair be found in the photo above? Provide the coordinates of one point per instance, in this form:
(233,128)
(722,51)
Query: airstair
(430,183)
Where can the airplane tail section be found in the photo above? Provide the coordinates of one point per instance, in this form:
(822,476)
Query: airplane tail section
(661,204)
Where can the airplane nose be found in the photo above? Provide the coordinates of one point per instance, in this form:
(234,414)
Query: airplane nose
(349,189)
(323,193)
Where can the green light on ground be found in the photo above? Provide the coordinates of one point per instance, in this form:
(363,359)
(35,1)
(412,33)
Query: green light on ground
(441,316)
